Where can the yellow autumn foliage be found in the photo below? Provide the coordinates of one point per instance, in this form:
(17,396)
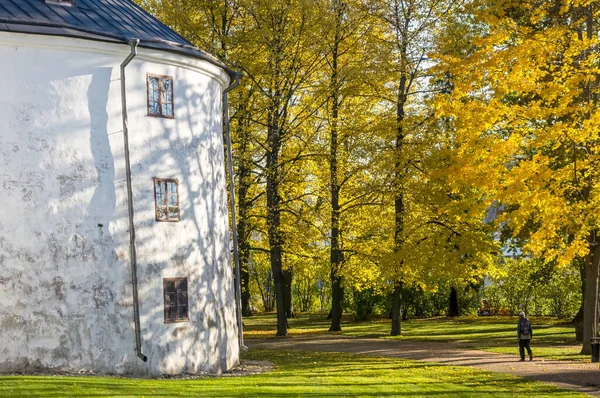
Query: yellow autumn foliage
(526,121)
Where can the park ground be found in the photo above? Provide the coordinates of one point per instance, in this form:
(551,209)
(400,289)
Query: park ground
(308,363)
(554,338)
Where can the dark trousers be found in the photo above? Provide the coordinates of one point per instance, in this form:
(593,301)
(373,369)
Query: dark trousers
(522,345)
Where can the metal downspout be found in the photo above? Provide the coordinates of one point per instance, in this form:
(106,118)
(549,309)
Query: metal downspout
(133,43)
(236,257)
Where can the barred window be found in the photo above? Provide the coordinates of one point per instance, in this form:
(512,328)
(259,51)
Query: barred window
(176,299)
(160,96)
(166,199)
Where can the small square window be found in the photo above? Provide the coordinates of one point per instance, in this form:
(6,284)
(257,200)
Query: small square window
(166,199)
(160,96)
(176,299)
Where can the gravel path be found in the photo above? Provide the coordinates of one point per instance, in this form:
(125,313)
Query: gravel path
(578,376)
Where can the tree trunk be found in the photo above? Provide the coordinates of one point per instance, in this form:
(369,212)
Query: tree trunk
(280,305)
(577,321)
(335,255)
(404,309)
(274,217)
(453,307)
(590,296)
(279,278)
(245,276)
(288,294)
(590,299)
(337,298)
(396,310)
(242,224)
(399,207)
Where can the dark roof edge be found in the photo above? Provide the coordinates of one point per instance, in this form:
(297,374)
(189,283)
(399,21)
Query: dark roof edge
(65,30)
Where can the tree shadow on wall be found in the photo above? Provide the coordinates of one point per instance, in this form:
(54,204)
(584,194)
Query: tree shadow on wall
(197,161)
(77,260)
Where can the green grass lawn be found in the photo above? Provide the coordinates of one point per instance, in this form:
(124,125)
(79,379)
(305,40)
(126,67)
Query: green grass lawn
(300,374)
(551,338)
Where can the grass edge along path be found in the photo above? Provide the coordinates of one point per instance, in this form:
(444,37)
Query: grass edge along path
(301,373)
(576,376)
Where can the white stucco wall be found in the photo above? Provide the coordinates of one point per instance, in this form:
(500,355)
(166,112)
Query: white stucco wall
(65,292)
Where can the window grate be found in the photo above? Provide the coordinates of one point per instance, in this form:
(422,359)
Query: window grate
(176,299)
(166,199)
(160,96)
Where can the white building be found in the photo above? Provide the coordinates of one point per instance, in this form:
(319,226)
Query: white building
(67,268)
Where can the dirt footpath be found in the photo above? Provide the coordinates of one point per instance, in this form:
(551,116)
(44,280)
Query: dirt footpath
(578,376)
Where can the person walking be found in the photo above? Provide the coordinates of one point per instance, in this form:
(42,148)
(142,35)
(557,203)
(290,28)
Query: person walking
(524,334)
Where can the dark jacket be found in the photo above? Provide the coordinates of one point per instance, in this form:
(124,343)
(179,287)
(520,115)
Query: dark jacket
(524,328)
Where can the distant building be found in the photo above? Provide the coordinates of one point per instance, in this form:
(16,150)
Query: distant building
(67,290)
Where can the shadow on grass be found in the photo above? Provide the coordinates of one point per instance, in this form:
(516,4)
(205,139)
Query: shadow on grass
(552,337)
(299,373)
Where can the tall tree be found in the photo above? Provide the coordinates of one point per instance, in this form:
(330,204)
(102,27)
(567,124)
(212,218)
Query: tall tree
(345,74)
(287,54)
(410,26)
(531,95)
(337,291)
